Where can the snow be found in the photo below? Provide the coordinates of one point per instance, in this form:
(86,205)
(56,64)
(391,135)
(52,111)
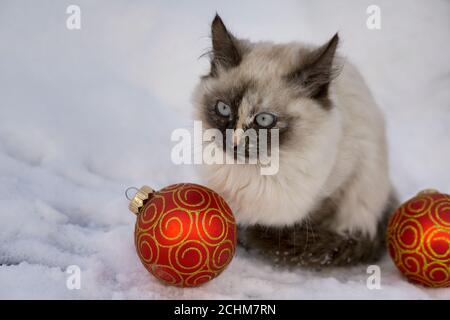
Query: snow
(85,114)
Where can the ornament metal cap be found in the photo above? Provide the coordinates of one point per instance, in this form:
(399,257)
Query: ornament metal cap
(427,191)
(139,199)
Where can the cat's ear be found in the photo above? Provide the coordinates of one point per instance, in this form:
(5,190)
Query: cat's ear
(225,52)
(317,70)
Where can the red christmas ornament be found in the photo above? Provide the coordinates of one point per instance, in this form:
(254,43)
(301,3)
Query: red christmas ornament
(185,234)
(418,238)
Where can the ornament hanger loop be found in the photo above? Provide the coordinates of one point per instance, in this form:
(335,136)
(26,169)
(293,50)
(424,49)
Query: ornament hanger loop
(127,192)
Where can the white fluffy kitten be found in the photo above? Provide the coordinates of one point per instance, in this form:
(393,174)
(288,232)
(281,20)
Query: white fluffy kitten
(328,203)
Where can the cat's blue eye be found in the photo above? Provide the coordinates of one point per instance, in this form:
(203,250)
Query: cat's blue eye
(265,119)
(223,109)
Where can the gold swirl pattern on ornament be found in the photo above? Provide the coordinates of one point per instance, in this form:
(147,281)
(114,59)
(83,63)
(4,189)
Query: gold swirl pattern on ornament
(226,248)
(412,262)
(437,273)
(193,252)
(409,225)
(171,188)
(194,237)
(440,208)
(151,212)
(199,278)
(396,217)
(425,202)
(144,241)
(420,280)
(171,221)
(420,259)
(184,197)
(224,207)
(205,222)
(433,236)
(167,275)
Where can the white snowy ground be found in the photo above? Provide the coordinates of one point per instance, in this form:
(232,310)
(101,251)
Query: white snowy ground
(85,114)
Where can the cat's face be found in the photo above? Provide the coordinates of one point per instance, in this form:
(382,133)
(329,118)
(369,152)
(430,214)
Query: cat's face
(265,86)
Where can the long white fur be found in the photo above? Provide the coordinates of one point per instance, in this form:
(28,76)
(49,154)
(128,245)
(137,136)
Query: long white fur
(343,148)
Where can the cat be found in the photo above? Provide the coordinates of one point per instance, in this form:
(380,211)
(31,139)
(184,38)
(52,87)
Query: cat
(330,200)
